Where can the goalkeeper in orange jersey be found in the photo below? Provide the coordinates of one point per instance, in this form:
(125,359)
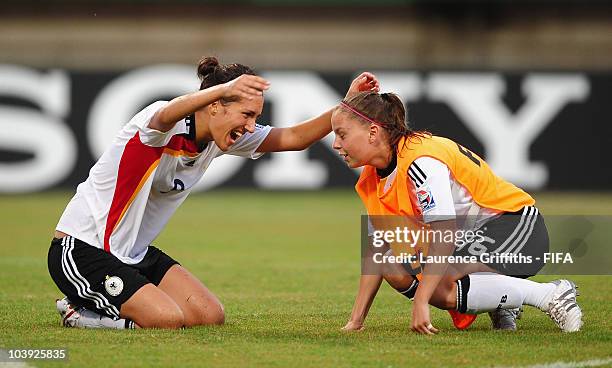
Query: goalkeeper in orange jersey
(443,187)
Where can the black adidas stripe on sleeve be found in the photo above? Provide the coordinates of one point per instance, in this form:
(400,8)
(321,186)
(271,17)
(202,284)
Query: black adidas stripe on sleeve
(416,174)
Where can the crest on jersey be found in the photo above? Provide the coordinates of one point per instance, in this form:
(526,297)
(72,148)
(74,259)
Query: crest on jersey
(426,200)
(113,285)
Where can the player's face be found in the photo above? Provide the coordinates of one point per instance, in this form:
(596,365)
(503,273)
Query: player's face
(352,139)
(234,119)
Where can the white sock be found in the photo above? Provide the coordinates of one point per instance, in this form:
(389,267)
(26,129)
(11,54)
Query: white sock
(487,292)
(91,319)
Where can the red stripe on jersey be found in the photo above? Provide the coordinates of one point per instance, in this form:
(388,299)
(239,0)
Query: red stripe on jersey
(180,143)
(137,163)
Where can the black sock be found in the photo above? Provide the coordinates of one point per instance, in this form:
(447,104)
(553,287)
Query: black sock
(129,324)
(463,286)
(410,290)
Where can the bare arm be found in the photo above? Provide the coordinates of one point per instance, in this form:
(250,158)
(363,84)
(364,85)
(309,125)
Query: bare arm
(297,137)
(432,274)
(368,287)
(302,135)
(369,283)
(245,86)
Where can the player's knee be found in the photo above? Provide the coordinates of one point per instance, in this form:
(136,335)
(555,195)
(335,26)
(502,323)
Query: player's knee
(203,311)
(165,316)
(213,315)
(172,318)
(218,315)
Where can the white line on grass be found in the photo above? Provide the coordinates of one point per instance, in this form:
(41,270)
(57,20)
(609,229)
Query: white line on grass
(584,363)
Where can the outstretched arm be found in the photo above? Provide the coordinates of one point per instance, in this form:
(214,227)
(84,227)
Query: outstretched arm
(302,135)
(245,86)
(432,274)
(368,287)
(369,283)
(298,137)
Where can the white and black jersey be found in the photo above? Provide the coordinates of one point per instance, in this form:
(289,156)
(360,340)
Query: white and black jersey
(139,182)
(441,197)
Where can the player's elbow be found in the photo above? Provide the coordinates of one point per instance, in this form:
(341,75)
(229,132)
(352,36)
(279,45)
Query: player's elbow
(161,121)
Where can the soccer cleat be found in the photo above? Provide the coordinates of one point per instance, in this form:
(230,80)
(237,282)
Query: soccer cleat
(81,317)
(504,319)
(69,313)
(461,320)
(563,308)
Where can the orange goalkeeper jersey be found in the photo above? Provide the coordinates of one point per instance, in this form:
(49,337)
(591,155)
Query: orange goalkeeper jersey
(487,189)
(393,205)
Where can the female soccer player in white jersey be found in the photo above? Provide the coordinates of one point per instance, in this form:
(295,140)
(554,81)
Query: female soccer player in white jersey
(101,256)
(436,181)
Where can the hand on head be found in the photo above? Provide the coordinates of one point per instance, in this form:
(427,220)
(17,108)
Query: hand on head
(245,86)
(365,81)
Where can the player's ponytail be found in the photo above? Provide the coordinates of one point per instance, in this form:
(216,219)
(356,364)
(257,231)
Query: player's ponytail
(206,68)
(212,73)
(386,110)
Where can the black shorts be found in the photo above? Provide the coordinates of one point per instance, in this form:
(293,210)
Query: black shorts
(521,235)
(97,280)
(513,243)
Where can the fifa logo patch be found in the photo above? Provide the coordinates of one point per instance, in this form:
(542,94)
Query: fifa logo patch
(113,285)
(425,199)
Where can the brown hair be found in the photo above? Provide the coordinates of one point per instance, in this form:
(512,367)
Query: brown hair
(388,110)
(212,73)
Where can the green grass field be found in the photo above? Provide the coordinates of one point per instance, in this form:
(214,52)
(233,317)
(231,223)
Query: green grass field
(286,267)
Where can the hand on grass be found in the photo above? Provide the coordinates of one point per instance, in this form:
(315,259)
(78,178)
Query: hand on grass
(421,322)
(353,326)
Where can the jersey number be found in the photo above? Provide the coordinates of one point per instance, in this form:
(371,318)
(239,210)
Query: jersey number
(178,185)
(468,154)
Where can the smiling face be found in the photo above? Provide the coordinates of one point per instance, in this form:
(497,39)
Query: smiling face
(230,120)
(358,143)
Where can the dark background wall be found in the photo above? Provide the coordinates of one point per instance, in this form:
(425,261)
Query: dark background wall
(543,64)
